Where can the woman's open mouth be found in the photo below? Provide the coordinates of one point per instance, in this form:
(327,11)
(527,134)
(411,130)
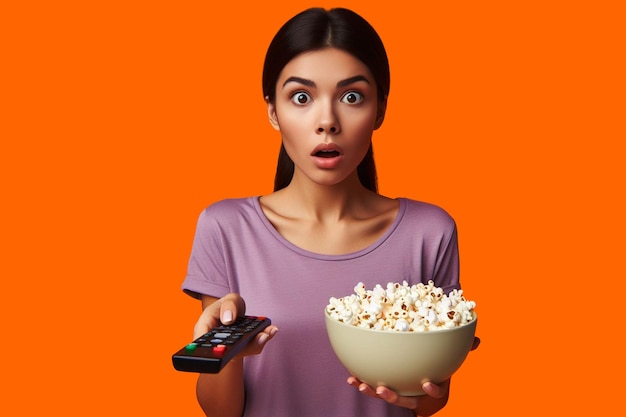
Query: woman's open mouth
(327,155)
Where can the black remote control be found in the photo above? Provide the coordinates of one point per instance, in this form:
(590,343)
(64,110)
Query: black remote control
(211,352)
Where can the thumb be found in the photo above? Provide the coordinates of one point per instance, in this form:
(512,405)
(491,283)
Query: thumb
(231,307)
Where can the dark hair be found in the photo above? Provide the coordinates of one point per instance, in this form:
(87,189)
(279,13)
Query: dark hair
(314,29)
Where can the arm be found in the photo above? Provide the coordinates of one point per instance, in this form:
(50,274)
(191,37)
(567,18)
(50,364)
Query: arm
(223,394)
(219,394)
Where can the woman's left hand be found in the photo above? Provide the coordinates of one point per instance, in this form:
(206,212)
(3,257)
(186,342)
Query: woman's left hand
(434,400)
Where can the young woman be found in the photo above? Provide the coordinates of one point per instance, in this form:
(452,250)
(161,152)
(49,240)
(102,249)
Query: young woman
(323,229)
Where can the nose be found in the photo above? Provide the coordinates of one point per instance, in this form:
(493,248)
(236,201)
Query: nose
(328,122)
(331,129)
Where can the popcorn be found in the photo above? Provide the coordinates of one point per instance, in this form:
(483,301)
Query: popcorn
(402,308)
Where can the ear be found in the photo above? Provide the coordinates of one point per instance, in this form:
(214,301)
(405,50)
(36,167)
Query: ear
(271,114)
(380,114)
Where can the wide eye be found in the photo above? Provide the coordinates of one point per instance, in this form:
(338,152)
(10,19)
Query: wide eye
(352,97)
(300,98)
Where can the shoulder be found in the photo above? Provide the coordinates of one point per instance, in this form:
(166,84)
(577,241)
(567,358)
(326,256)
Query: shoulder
(227,211)
(429,213)
(230,205)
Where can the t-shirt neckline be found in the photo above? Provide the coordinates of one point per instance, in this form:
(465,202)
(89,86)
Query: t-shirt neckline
(272,230)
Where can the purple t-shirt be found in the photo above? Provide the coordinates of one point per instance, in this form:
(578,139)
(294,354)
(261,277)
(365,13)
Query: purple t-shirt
(236,249)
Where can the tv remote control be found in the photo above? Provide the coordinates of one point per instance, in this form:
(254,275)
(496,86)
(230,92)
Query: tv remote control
(212,351)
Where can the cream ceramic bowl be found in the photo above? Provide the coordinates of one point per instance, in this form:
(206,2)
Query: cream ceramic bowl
(401,361)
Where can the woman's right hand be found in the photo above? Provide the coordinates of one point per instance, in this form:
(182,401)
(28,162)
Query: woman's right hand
(225,310)
(223,394)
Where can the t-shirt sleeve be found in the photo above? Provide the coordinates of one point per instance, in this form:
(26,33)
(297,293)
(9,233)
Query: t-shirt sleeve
(207,269)
(446,274)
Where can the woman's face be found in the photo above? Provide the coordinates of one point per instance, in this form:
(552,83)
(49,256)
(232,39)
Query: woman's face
(326,109)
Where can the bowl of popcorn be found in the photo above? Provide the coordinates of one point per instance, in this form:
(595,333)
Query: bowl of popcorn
(401,335)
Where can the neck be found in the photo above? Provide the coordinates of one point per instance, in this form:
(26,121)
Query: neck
(326,203)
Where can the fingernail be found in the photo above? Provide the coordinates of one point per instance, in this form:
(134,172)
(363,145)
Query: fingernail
(262,338)
(428,387)
(227,316)
(273,331)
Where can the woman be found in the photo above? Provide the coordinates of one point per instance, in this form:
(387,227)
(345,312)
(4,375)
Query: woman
(322,230)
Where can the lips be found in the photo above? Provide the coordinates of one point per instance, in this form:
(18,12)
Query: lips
(327,150)
(327,155)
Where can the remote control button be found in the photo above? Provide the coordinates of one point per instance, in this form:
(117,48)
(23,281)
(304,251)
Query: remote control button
(219,349)
(210,352)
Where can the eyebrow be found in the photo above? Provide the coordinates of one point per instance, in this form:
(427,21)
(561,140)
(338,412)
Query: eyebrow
(352,80)
(311,83)
(303,81)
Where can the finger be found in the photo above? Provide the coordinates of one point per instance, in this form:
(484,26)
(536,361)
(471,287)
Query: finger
(256,346)
(367,390)
(362,387)
(386,394)
(353,381)
(431,389)
(392,397)
(207,320)
(476,343)
(267,334)
(231,306)
(224,310)
(436,391)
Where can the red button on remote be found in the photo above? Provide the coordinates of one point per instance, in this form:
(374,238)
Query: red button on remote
(219,349)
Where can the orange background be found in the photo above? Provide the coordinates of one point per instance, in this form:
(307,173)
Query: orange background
(122,120)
